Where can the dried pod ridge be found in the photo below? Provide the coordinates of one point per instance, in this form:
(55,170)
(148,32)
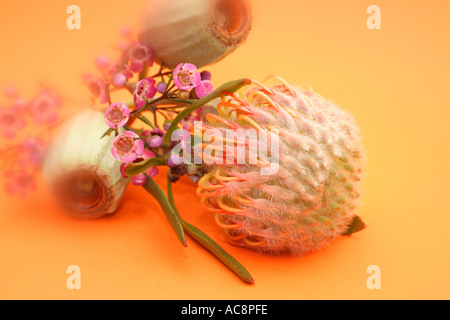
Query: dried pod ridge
(313,196)
(200,32)
(81,170)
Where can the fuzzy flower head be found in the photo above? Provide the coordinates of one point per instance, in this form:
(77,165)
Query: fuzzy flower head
(127,147)
(186,76)
(145,89)
(117,115)
(312,196)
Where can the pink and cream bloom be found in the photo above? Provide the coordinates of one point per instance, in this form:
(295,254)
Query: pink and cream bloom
(186,76)
(11,121)
(43,108)
(127,147)
(145,89)
(117,115)
(203,89)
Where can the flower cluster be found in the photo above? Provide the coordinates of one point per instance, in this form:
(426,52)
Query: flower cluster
(42,110)
(23,159)
(163,95)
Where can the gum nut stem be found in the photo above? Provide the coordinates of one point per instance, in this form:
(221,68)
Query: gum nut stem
(83,175)
(201,32)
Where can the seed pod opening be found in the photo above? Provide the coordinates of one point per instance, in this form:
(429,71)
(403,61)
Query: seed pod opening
(200,32)
(83,175)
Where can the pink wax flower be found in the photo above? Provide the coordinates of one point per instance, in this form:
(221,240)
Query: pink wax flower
(118,68)
(206,75)
(127,147)
(119,80)
(161,87)
(97,87)
(145,89)
(117,115)
(186,76)
(141,179)
(10,91)
(10,122)
(19,182)
(102,62)
(31,152)
(141,54)
(43,108)
(203,89)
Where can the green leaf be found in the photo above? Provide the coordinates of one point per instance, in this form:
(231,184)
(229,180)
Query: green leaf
(231,86)
(356,225)
(208,243)
(138,168)
(145,120)
(152,187)
(107,133)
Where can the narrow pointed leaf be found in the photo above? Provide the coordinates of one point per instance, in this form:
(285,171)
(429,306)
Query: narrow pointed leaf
(145,120)
(141,167)
(152,187)
(231,86)
(208,243)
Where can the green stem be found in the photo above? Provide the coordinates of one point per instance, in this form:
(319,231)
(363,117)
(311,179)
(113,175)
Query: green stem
(231,86)
(144,72)
(208,243)
(152,187)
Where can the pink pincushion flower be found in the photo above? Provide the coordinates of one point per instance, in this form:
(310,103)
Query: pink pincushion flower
(42,108)
(19,182)
(127,147)
(186,76)
(117,115)
(10,122)
(203,89)
(145,89)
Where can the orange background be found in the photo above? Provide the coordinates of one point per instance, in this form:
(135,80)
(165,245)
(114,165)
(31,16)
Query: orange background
(395,81)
